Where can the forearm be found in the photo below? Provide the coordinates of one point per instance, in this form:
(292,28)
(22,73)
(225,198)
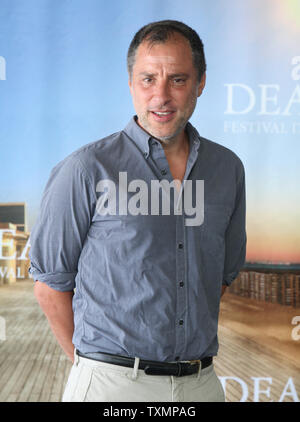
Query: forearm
(57,307)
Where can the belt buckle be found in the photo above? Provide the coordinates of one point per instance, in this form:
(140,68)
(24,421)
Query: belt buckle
(194,361)
(191,362)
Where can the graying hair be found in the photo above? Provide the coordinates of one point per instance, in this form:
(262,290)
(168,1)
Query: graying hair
(160,32)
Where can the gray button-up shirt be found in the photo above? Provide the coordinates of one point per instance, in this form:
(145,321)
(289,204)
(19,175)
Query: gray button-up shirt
(146,284)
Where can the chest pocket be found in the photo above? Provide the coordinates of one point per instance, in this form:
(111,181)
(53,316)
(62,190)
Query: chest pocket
(216,219)
(213,229)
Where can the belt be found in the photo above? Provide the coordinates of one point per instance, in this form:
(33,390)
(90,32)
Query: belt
(177,369)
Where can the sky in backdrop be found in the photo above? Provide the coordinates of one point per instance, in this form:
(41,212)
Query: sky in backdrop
(64,83)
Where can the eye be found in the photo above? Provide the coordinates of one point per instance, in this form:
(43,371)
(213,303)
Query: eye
(179,81)
(147,80)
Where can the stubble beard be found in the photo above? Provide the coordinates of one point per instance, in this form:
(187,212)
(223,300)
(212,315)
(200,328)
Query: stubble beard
(180,124)
(167,139)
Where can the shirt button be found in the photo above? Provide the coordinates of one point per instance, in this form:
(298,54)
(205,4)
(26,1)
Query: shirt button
(164,172)
(181,283)
(180,245)
(181,322)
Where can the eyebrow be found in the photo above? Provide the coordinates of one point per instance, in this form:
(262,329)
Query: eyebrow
(173,75)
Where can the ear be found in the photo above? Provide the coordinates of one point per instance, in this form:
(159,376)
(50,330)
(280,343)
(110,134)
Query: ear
(202,84)
(130,83)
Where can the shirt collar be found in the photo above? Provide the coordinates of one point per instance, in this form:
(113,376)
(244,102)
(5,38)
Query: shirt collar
(143,139)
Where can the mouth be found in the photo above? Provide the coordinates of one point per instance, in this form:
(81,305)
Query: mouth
(163,116)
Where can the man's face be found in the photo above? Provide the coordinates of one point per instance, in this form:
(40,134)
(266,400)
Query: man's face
(164,86)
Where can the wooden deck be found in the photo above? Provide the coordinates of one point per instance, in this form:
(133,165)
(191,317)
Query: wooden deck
(34,368)
(32,364)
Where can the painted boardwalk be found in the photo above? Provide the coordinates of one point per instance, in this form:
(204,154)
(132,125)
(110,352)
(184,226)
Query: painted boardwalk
(33,368)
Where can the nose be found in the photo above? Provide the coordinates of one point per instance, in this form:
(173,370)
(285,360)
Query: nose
(161,93)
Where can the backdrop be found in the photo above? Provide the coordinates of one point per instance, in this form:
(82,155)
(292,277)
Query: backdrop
(63,84)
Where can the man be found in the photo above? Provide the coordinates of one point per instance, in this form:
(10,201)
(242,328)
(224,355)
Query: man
(142,323)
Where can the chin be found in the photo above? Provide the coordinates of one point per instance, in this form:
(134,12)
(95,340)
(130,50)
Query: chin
(164,136)
(167,136)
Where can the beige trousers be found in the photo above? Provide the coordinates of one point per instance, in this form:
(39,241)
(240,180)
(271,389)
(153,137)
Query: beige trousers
(93,381)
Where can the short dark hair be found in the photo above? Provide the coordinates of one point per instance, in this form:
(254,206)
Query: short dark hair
(159,32)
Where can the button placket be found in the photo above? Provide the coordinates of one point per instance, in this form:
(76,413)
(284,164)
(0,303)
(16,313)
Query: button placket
(181,269)
(180,320)
(181,292)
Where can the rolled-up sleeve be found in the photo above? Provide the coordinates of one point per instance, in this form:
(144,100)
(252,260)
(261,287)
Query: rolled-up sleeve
(64,219)
(235,237)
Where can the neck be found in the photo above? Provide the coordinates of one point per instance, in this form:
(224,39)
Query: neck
(176,146)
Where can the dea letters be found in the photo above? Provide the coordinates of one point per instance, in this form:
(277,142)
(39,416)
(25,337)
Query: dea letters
(268,95)
(265,100)
(262,389)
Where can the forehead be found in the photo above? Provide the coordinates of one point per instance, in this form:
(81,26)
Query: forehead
(175,51)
